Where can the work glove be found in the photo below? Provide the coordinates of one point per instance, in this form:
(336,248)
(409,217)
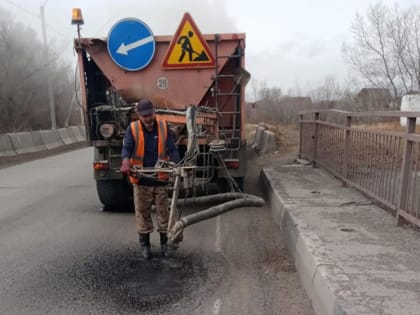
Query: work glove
(125,167)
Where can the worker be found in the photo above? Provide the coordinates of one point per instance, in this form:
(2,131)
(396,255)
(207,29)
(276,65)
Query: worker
(146,141)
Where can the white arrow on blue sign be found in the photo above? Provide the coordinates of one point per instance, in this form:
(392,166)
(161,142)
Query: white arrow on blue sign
(131,44)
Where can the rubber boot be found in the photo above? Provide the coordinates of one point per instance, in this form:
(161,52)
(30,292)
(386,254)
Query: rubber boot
(145,245)
(164,245)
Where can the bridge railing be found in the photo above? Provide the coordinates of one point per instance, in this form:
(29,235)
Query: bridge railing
(381,160)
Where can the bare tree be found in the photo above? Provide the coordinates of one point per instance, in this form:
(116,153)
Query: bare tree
(330,90)
(268,99)
(23,73)
(254,89)
(386,48)
(411,54)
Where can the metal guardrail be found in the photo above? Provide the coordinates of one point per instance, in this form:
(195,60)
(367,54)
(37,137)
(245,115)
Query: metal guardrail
(383,164)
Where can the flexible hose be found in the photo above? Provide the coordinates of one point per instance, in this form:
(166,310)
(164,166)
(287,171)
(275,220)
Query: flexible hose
(222,208)
(240,201)
(214,198)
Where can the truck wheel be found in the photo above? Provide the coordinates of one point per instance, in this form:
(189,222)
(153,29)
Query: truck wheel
(241,183)
(223,186)
(115,195)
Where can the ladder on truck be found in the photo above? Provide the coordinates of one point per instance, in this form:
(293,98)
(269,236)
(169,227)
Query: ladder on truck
(227,91)
(231,134)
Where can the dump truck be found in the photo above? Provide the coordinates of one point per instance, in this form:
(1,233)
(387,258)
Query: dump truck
(175,72)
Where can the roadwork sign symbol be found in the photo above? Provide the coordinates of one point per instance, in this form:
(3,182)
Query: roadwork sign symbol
(188,49)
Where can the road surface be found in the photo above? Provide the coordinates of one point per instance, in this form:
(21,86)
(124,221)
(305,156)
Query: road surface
(59,254)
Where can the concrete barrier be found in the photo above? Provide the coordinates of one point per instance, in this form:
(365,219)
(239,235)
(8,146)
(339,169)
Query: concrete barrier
(22,142)
(66,136)
(83,131)
(268,144)
(12,144)
(259,133)
(6,147)
(77,133)
(265,140)
(37,142)
(51,139)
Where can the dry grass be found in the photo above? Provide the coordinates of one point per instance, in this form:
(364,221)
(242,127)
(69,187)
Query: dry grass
(385,126)
(250,131)
(287,136)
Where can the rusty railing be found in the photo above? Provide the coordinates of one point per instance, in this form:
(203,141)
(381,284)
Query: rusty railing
(381,160)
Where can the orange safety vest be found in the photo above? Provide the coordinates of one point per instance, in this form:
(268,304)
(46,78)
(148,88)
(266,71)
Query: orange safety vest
(138,156)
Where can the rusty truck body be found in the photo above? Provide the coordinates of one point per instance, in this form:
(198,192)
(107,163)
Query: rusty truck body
(109,93)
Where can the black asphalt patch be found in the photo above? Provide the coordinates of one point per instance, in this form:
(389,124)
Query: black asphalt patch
(124,282)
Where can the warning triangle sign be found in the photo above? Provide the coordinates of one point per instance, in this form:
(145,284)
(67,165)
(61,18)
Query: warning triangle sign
(188,49)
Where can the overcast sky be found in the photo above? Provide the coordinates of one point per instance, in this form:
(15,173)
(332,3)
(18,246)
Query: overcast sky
(289,43)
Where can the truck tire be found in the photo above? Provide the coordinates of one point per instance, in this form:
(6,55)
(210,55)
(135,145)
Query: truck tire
(223,186)
(241,183)
(115,195)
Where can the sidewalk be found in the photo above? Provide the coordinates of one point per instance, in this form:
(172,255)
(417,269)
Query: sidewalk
(350,255)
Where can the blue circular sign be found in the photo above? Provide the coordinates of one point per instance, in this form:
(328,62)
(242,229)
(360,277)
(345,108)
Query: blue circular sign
(131,44)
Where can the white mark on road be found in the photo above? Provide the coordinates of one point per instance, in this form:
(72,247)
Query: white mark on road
(217,244)
(216,306)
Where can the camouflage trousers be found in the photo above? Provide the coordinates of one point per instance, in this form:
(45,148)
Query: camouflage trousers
(144,197)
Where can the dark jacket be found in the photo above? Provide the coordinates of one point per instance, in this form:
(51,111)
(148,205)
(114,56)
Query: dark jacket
(150,150)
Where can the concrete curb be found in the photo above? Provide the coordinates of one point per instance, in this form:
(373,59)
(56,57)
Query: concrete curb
(350,255)
(319,274)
